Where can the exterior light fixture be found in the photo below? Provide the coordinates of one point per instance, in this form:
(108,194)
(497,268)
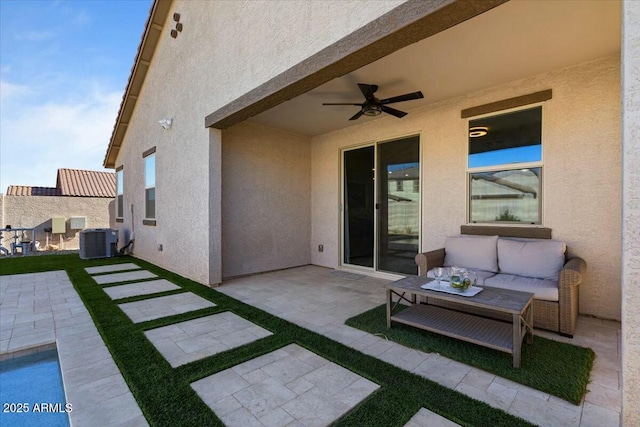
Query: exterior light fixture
(166,123)
(478,131)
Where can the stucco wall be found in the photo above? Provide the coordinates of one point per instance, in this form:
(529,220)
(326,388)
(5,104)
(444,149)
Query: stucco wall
(201,70)
(581,144)
(37,211)
(631,215)
(2,223)
(266,209)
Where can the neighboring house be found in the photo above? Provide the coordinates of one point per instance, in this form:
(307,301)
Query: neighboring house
(524,120)
(80,200)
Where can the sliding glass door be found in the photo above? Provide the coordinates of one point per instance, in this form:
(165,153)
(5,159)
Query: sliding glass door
(381,206)
(359,197)
(399,205)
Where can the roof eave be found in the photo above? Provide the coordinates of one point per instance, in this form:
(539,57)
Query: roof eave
(150,38)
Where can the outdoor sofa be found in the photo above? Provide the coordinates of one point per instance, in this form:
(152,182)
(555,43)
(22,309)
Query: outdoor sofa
(524,259)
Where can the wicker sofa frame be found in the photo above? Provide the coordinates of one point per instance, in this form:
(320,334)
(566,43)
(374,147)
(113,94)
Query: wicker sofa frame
(558,316)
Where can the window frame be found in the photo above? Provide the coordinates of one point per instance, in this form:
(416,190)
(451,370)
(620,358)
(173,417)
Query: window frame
(120,194)
(507,167)
(149,219)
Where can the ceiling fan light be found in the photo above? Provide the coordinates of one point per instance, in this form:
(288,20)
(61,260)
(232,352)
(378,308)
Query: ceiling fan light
(372,110)
(478,131)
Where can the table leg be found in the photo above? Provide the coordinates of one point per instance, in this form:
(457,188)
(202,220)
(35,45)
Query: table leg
(389,302)
(529,333)
(517,340)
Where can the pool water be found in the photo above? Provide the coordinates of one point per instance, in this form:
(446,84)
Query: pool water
(31,392)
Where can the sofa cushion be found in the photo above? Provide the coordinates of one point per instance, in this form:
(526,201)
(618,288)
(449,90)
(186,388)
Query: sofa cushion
(543,289)
(477,252)
(541,259)
(482,275)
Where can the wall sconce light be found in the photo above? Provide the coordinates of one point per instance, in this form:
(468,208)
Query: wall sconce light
(166,123)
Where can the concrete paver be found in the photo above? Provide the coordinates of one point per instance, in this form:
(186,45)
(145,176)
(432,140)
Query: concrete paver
(155,308)
(291,385)
(142,288)
(106,279)
(185,342)
(111,268)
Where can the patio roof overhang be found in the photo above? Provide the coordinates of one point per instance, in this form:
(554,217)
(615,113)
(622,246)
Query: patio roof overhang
(451,51)
(409,23)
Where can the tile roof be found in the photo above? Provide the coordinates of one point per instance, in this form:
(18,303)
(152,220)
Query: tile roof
(72,183)
(24,190)
(83,183)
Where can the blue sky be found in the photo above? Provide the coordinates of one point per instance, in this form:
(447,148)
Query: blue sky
(64,66)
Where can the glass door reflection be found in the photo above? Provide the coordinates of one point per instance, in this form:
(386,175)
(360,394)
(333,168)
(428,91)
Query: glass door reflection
(399,205)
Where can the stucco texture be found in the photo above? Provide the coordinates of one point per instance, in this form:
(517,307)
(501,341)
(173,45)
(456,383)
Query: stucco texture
(192,75)
(581,182)
(266,209)
(631,216)
(37,211)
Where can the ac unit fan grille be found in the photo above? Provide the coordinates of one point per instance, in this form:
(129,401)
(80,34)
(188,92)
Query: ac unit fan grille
(94,245)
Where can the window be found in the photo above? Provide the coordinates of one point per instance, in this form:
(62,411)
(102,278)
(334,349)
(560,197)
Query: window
(150,186)
(398,185)
(505,168)
(119,194)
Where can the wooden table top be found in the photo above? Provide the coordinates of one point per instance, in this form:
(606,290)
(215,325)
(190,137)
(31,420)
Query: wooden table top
(503,300)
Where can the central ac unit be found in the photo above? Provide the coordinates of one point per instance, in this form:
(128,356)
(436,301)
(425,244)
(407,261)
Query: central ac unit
(98,243)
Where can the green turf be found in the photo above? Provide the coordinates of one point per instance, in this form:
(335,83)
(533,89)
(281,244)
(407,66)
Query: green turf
(554,367)
(164,393)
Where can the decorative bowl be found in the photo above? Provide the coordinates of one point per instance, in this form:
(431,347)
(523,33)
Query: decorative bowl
(460,284)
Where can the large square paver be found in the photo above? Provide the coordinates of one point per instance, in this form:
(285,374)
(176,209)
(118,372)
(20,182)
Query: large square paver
(155,308)
(288,386)
(111,268)
(142,288)
(195,339)
(123,277)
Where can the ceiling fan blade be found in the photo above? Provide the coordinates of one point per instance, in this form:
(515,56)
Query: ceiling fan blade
(367,90)
(401,98)
(399,114)
(357,115)
(340,103)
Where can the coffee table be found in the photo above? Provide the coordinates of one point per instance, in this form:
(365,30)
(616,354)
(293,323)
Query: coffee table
(481,330)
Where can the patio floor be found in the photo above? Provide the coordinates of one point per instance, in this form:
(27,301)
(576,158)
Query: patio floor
(41,309)
(321,300)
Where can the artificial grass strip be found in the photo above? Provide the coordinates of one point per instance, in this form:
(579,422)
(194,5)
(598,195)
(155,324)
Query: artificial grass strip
(553,367)
(164,393)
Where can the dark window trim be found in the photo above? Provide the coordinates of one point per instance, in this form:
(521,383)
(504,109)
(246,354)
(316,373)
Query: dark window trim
(502,231)
(119,219)
(505,104)
(149,152)
(149,222)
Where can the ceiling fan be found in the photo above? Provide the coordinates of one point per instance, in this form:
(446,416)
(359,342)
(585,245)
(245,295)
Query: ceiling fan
(373,106)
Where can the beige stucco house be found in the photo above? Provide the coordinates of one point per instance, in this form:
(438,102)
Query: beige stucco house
(228,164)
(81,199)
